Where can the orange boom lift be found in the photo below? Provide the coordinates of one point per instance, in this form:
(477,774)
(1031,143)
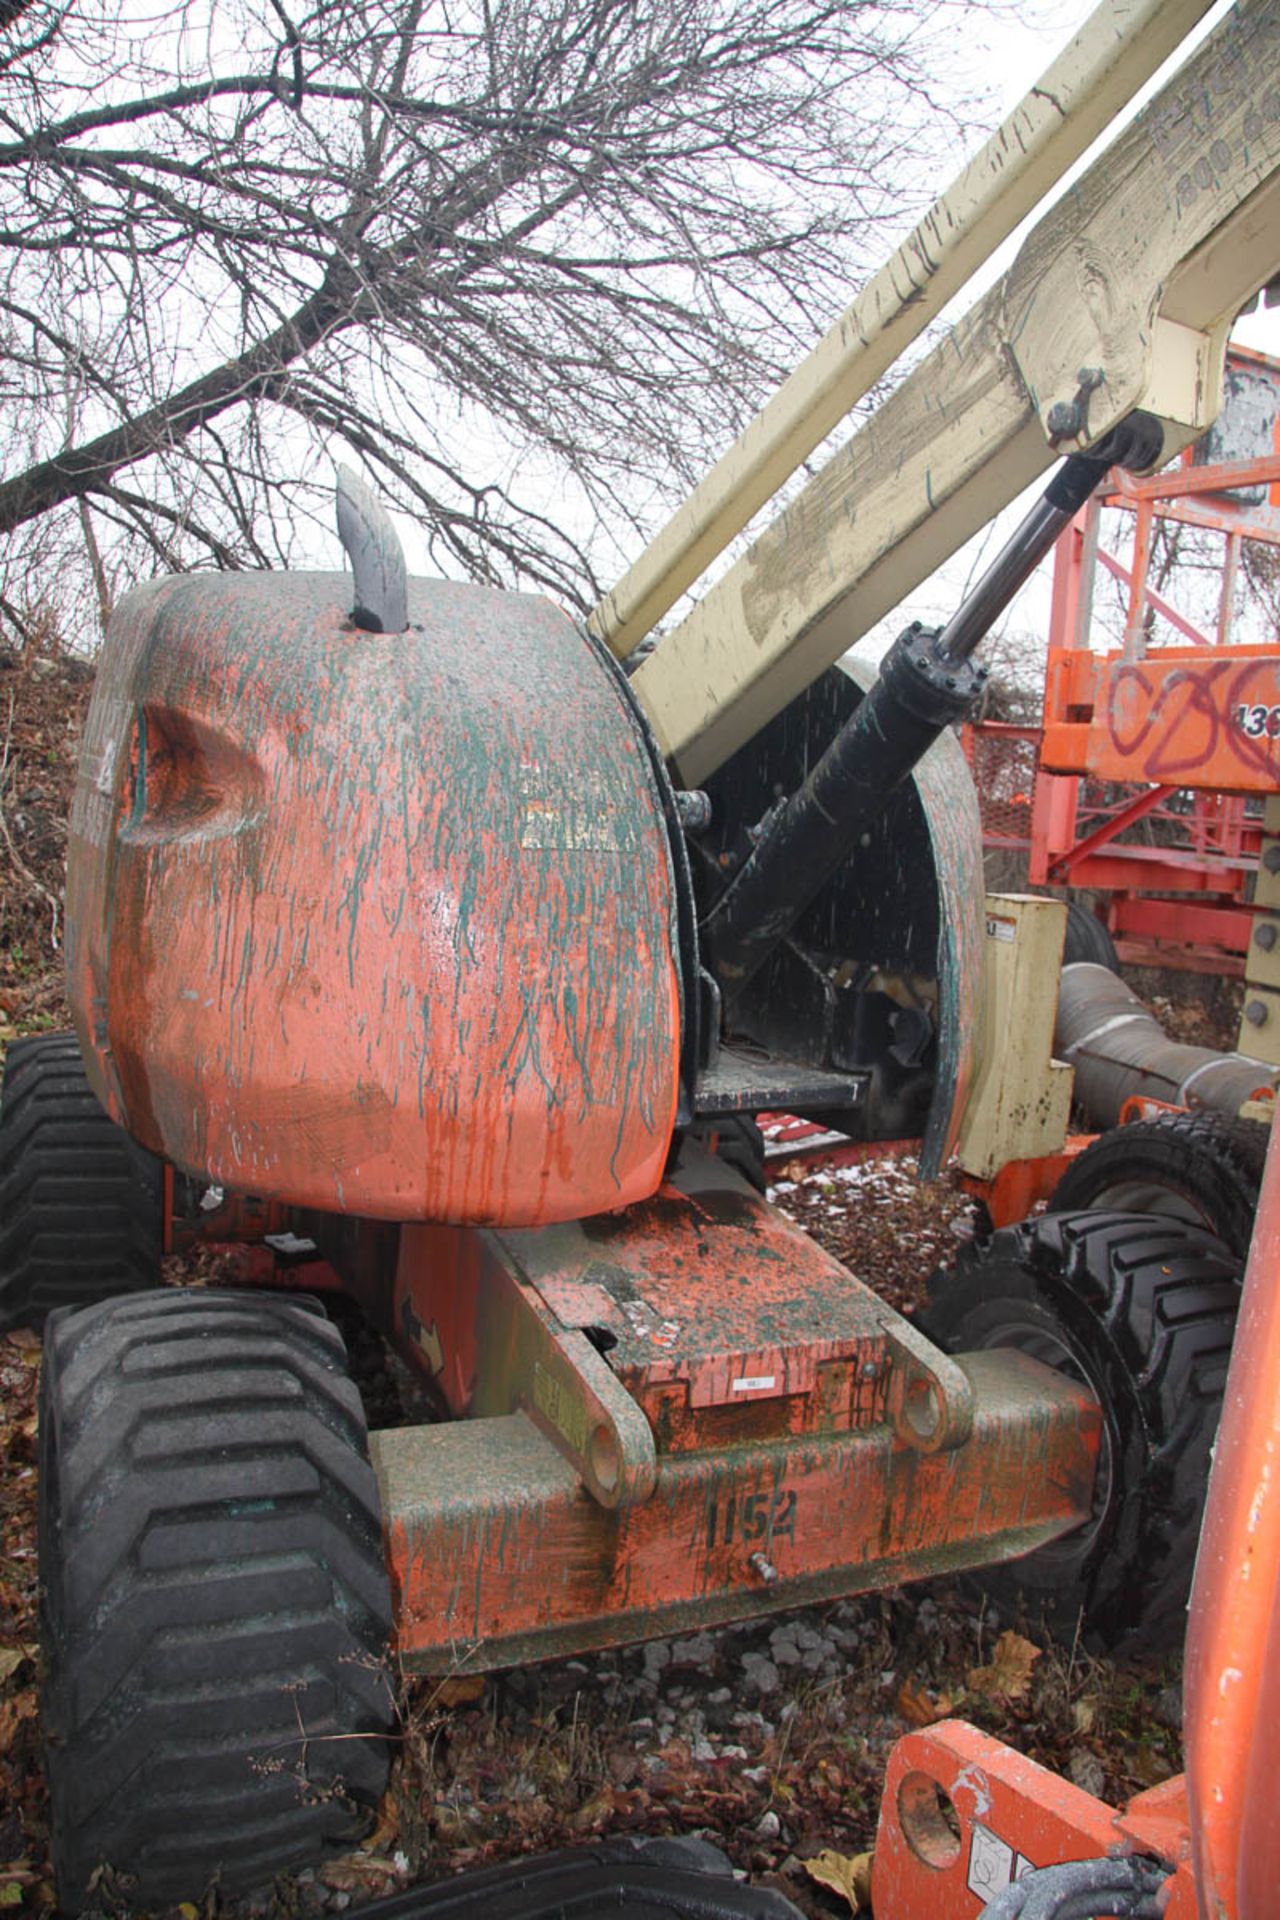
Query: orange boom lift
(413,940)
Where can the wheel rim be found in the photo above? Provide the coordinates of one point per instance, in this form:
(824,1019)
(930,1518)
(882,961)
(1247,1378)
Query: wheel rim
(1039,1342)
(1149,1196)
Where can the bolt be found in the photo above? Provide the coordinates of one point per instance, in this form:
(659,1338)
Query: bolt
(1256,1014)
(1090,379)
(694,809)
(1064,420)
(1265,935)
(763,1568)
(1271,858)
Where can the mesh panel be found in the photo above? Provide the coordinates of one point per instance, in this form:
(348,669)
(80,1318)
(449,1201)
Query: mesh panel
(1004,772)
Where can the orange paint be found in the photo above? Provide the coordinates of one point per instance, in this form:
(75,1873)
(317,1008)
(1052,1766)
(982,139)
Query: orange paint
(497,1549)
(1010,1194)
(769,1465)
(379,924)
(1012,1815)
(1232,1679)
(1184,716)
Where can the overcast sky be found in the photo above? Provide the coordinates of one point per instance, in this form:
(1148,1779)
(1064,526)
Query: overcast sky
(1018,50)
(1008,50)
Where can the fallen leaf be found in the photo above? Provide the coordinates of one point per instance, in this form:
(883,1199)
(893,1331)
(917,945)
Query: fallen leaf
(358,1873)
(846,1874)
(1084,1715)
(593,1812)
(11,1893)
(920,1708)
(387,1831)
(1008,1677)
(188,1910)
(458,1690)
(11,1658)
(23,1706)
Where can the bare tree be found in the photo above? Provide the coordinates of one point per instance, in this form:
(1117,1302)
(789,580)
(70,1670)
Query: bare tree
(506,250)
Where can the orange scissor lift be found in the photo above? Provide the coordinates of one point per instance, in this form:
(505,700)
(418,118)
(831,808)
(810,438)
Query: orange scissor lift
(1146,778)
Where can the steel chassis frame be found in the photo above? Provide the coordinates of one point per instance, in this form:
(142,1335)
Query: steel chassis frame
(681,1413)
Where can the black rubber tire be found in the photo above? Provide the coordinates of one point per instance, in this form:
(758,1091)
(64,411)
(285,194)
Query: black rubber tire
(1087,939)
(215,1602)
(1202,1168)
(81,1204)
(1143,1310)
(740,1144)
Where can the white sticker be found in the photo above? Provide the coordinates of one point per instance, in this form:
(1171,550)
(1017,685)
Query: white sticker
(1023,1866)
(990,1863)
(1001,929)
(103,778)
(584,820)
(754,1383)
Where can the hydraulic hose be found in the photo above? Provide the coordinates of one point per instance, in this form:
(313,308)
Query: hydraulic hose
(1127,1888)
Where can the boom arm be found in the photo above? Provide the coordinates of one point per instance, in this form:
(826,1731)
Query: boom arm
(1119,47)
(1136,276)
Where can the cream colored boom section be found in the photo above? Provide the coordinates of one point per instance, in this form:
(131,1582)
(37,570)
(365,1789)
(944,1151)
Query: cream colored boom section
(1119,47)
(1137,272)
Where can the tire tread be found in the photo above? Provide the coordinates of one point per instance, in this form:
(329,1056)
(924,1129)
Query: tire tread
(81,1204)
(195,1635)
(1213,1161)
(1148,1304)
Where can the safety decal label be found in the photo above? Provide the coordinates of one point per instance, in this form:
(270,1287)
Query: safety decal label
(993,1863)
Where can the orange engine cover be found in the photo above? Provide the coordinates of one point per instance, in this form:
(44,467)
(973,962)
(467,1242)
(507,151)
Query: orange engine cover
(380,924)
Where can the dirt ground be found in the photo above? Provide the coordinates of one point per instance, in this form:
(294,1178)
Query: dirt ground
(770,1740)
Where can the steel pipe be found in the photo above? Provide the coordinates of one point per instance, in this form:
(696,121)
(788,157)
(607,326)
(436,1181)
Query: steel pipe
(1118,1048)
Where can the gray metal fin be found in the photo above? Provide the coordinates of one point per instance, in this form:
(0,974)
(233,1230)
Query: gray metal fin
(372,545)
